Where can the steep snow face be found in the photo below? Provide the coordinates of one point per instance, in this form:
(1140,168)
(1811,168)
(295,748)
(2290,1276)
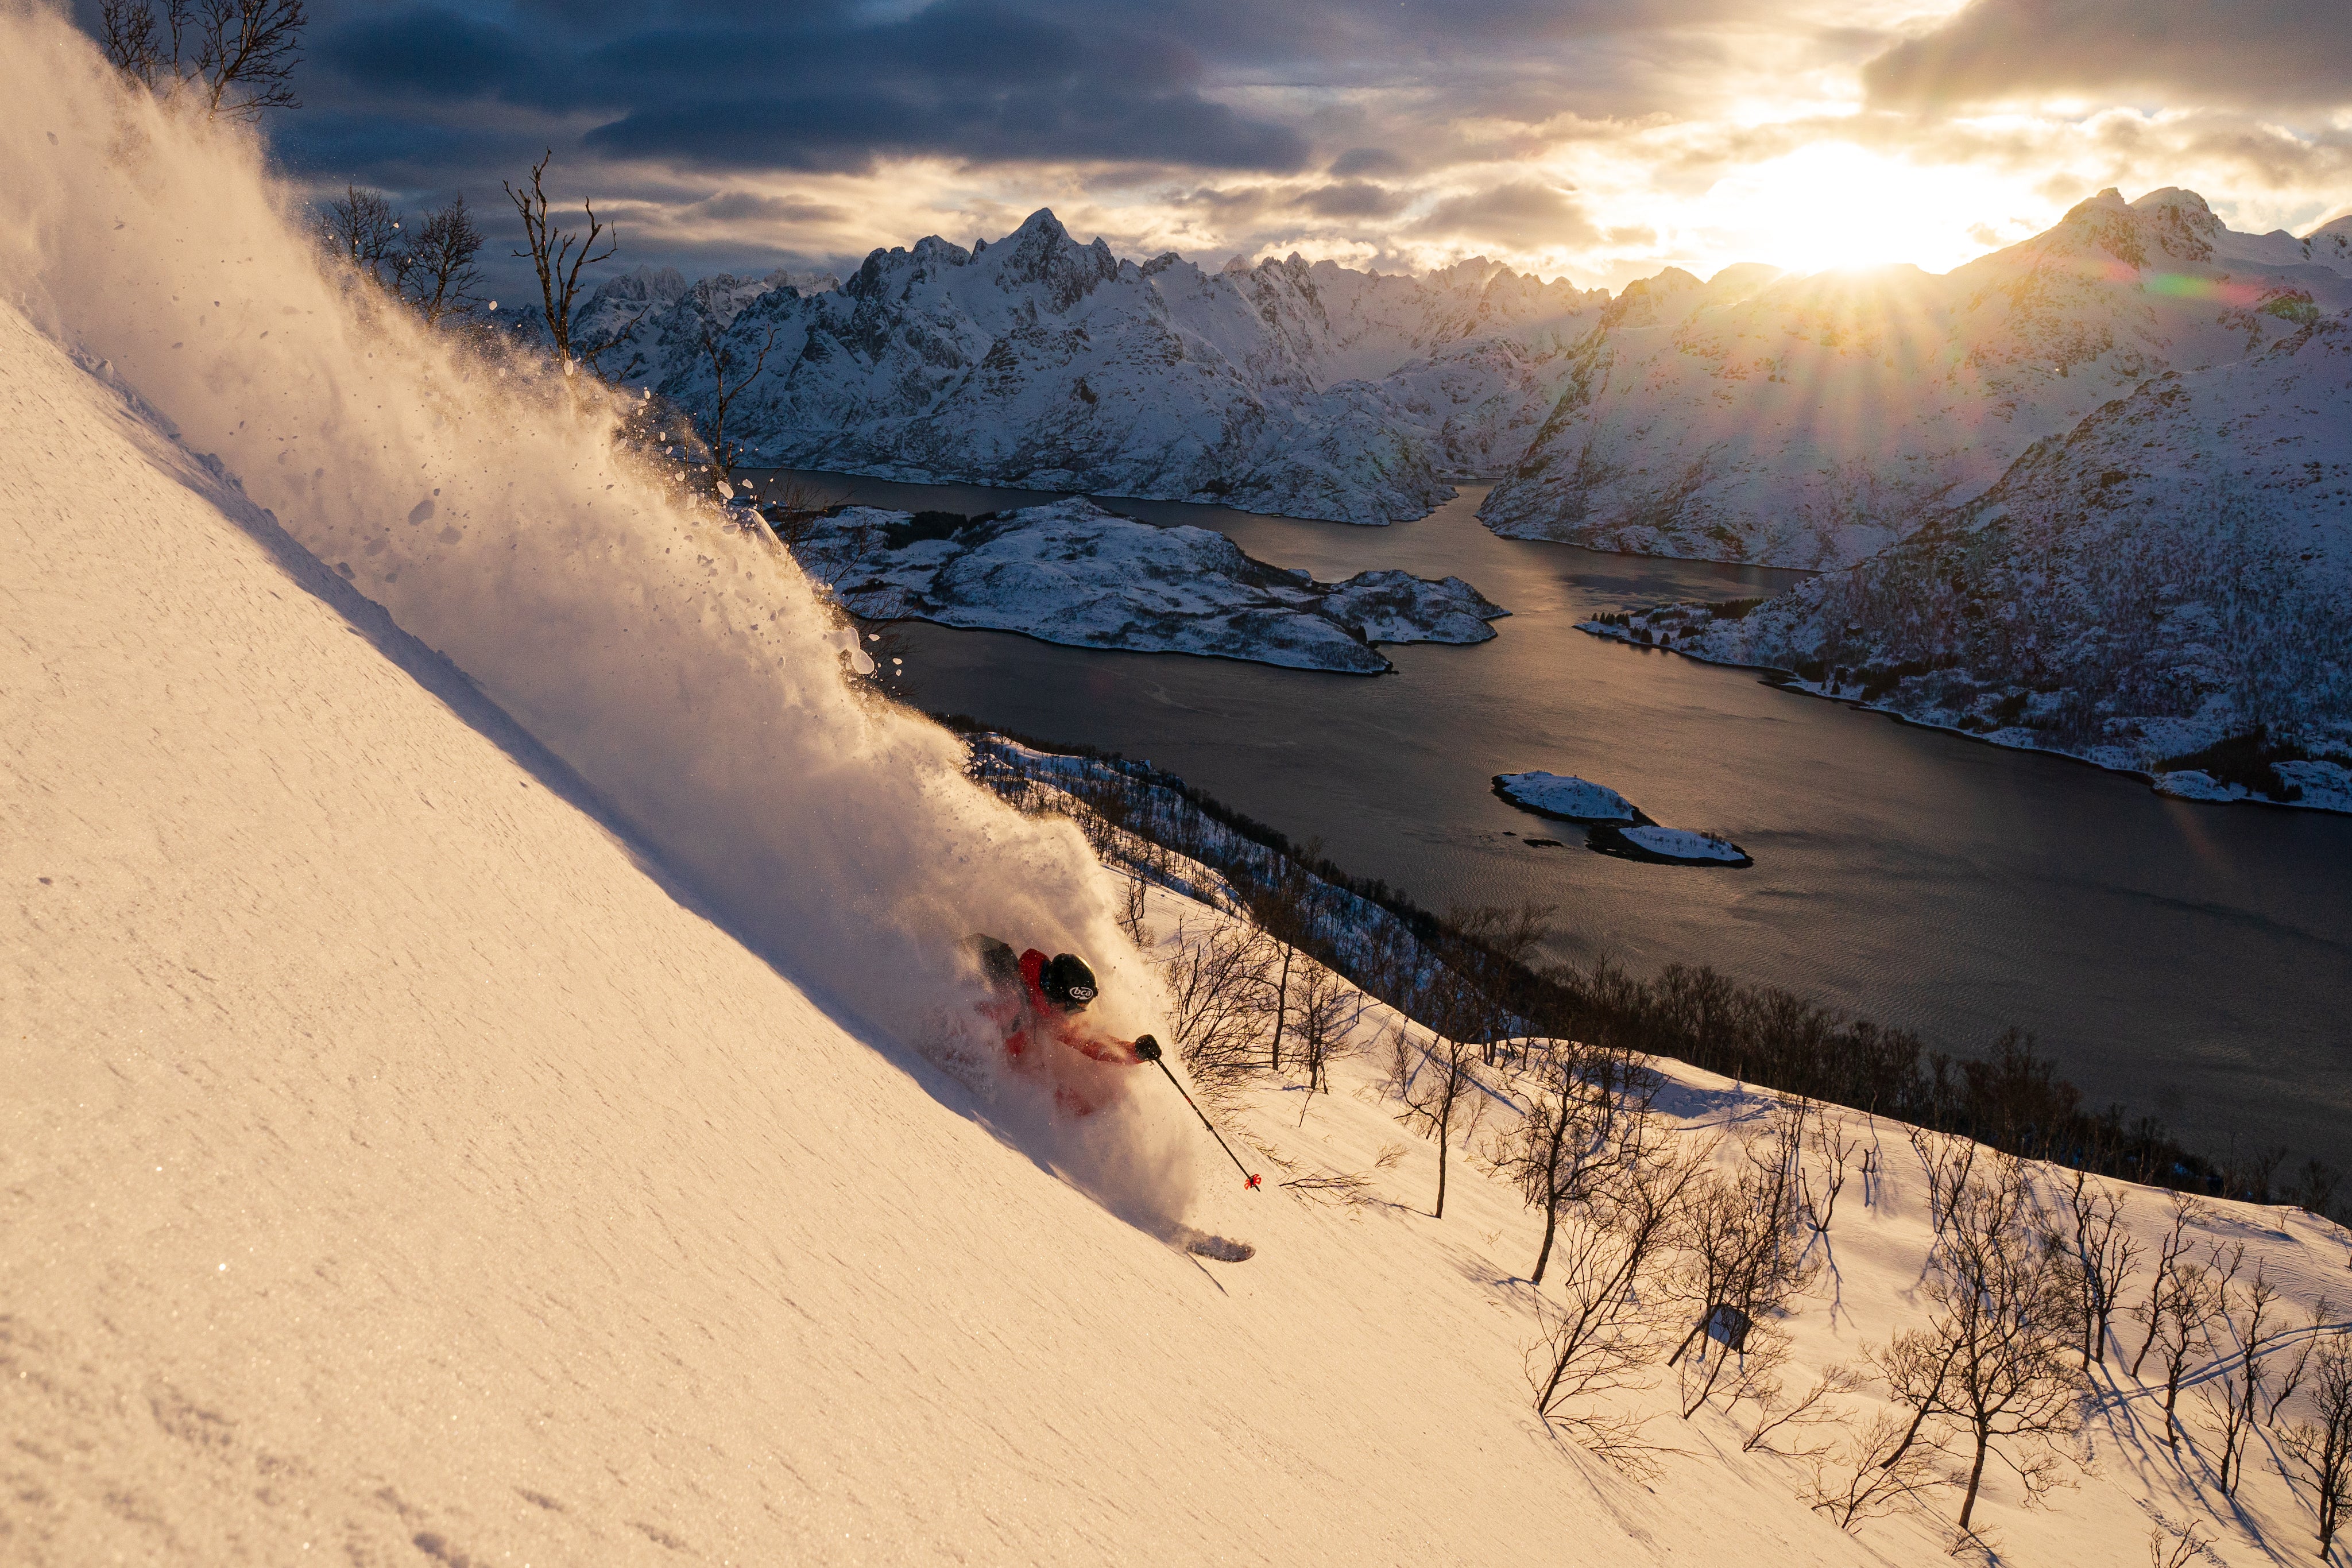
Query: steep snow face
(2175,569)
(1814,420)
(1308,390)
(1074,573)
(688,672)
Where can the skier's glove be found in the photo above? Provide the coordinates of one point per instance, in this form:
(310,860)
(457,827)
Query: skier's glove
(1146,1048)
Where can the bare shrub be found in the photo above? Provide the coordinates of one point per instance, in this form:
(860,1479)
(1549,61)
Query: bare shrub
(2095,1254)
(557,254)
(232,58)
(1215,973)
(1435,1081)
(1589,1113)
(2322,1446)
(1992,1369)
(1604,1335)
(1880,1471)
(1741,1261)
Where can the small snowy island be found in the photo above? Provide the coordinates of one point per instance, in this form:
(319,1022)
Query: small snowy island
(1669,846)
(1564,796)
(1072,573)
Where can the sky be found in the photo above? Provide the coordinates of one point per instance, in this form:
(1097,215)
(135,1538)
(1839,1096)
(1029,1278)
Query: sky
(1594,139)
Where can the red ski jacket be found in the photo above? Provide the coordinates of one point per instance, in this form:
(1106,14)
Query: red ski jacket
(1065,1028)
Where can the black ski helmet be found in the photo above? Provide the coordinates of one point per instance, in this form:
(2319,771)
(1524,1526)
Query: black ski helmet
(1069,984)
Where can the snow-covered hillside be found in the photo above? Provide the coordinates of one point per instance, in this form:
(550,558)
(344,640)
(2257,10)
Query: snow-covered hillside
(1812,421)
(484,1105)
(2173,572)
(1072,573)
(1034,360)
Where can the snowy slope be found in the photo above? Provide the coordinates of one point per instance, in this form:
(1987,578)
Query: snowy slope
(1035,361)
(1074,573)
(1812,421)
(396,1169)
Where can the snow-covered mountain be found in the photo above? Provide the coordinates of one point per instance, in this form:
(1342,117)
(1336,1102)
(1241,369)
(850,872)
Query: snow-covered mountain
(1311,390)
(2172,572)
(1811,421)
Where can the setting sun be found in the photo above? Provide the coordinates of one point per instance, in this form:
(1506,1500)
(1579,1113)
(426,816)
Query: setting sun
(1835,204)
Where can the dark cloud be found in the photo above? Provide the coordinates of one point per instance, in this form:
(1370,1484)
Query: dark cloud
(749,206)
(1358,161)
(2251,53)
(1520,216)
(1352,199)
(431,53)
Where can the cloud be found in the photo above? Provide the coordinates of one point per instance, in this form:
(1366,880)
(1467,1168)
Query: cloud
(1352,199)
(2248,53)
(1521,215)
(1358,161)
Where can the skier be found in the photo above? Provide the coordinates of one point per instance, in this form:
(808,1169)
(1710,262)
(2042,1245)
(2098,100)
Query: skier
(1037,1005)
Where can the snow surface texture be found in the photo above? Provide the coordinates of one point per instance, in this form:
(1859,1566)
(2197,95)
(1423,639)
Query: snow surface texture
(1558,795)
(403,1164)
(1072,573)
(2174,571)
(1033,360)
(1812,421)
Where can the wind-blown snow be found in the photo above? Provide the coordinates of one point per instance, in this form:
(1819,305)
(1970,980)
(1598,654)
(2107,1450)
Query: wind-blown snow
(1072,573)
(685,670)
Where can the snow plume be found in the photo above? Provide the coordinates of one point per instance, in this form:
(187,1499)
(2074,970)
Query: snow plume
(687,671)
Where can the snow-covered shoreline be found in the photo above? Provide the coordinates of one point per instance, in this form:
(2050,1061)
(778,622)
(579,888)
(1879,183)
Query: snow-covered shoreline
(1074,573)
(2329,787)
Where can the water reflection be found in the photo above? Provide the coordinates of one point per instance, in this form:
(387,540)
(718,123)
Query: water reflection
(2183,957)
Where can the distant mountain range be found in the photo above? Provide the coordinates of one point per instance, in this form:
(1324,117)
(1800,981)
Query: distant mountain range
(2092,492)
(1756,417)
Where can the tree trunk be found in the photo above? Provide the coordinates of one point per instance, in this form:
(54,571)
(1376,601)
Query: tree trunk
(1976,1474)
(1551,1224)
(1440,1214)
(1281,1005)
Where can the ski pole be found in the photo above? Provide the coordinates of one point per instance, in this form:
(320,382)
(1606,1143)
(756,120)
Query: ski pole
(1253,1182)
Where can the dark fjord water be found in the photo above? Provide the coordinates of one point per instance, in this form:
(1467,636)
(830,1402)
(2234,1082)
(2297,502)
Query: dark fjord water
(2195,961)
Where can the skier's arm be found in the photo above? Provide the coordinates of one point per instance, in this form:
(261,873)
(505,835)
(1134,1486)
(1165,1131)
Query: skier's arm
(1119,1052)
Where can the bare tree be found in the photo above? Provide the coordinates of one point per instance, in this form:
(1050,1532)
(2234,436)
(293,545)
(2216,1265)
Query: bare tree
(232,58)
(1587,1114)
(2180,1320)
(558,254)
(1834,1144)
(441,276)
(1215,975)
(2170,1548)
(1604,1335)
(1879,1472)
(1327,1012)
(2186,1211)
(726,386)
(362,229)
(1433,1080)
(2096,1254)
(1992,1365)
(2243,1309)
(1280,910)
(2323,1445)
(1739,1261)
